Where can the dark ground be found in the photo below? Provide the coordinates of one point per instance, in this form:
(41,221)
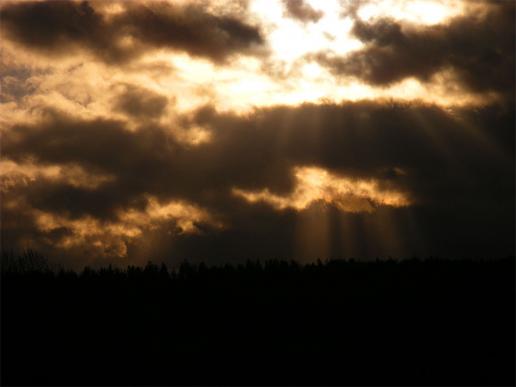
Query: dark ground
(437,322)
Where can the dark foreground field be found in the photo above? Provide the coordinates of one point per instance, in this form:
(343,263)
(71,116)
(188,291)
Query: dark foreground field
(385,323)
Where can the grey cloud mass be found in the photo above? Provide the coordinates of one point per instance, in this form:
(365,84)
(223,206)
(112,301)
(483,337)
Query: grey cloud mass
(105,163)
(60,27)
(448,168)
(302,11)
(478,48)
(140,102)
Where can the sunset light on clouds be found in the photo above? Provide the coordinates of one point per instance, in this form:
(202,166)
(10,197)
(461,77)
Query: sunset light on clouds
(195,124)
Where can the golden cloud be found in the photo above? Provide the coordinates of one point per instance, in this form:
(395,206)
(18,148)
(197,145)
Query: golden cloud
(316,184)
(14,174)
(110,238)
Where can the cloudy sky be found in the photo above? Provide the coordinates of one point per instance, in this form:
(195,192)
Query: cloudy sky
(227,130)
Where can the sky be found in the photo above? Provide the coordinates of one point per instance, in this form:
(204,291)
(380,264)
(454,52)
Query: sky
(230,130)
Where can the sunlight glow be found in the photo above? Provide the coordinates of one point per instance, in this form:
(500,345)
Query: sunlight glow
(416,11)
(243,85)
(290,39)
(316,184)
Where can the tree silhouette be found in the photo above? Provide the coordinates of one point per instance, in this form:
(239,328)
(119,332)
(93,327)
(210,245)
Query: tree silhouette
(413,322)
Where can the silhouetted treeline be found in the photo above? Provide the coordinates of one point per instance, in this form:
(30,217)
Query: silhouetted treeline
(413,322)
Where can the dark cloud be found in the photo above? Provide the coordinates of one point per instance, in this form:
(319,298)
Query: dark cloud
(479,48)
(300,10)
(457,167)
(139,102)
(61,27)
